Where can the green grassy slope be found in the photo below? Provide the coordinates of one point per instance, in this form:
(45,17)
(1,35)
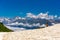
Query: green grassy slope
(3,28)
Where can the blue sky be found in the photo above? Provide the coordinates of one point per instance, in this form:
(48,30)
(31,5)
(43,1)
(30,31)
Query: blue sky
(12,8)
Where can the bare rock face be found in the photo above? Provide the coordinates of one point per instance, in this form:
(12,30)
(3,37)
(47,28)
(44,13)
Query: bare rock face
(48,33)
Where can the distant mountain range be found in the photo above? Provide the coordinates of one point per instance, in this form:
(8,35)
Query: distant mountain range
(31,20)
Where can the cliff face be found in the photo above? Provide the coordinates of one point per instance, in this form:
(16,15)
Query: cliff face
(3,28)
